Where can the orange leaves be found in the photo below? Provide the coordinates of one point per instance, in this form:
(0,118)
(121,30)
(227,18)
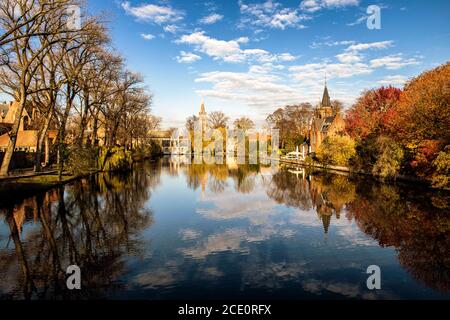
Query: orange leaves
(418,118)
(372,112)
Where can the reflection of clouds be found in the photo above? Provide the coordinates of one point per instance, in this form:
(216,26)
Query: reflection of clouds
(234,240)
(230,240)
(255,207)
(212,272)
(273,275)
(304,218)
(351,233)
(189,234)
(346,290)
(156,278)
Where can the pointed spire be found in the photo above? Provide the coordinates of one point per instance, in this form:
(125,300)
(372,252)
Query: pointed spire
(202,110)
(326,101)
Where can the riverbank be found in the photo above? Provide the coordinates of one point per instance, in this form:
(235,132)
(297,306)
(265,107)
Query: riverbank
(348,170)
(37,182)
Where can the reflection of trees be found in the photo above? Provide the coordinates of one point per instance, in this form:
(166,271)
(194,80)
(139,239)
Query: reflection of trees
(327,194)
(215,176)
(409,221)
(415,222)
(93,223)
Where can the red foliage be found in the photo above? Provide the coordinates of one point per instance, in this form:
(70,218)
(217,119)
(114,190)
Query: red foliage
(373,112)
(424,156)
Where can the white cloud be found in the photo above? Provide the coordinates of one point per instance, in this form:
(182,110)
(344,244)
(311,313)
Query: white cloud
(230,51)
(152,13)
(397,80)
(393,62)
(171,28)
(147,36)
(358,21)
(316,5)
(370,45)
(317,71)
(211,19)
(251,88)
(349,57)
(339,3)
(188,57)
(316,45)
(271,14)
(286,57)
(243,40)
(311,5)
(352,53)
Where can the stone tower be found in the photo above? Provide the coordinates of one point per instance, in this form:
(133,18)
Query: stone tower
(203,117)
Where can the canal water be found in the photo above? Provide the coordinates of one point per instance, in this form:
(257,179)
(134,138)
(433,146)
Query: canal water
(170,230)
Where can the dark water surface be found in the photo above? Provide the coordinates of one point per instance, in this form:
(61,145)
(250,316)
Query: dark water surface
(174,231)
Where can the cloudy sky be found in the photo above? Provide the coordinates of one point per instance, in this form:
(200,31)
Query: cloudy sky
(247,57)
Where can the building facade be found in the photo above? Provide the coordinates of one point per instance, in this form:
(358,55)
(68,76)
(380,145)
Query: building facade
(327,120)
(27,136)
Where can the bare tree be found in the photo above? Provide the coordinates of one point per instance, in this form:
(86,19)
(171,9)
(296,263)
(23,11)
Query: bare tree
(244,124)
(21,22)
(217,120)
(190,123)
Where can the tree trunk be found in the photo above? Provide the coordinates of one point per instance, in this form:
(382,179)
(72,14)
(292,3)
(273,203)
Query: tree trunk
(94,132)
(4,170)
(83,122)
(42,137)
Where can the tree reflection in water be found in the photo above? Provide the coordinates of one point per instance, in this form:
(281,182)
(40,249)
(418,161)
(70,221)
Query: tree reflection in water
(93,223)
(409,221)
(99,223)
(414,221)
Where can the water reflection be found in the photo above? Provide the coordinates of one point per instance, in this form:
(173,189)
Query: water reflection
(175,230)
(92,223)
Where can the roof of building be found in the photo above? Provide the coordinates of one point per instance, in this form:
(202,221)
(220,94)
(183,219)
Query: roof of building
(326,101)
(202,110)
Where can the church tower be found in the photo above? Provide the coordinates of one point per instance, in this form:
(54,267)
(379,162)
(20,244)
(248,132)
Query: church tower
(203,117)
(325,108)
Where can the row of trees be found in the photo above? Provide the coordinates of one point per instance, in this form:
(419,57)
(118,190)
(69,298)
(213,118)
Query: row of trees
(405,131)
(62,65)
(218,120)
(294,122)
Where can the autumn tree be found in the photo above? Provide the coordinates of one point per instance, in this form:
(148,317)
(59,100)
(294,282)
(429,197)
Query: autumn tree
(245,124)
(336,150)
(372,112)
(389,158)
(422,123)
(441,166)
(292,122)
(217,120)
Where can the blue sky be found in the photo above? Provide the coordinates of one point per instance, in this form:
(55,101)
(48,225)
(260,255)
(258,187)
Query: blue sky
(248,57)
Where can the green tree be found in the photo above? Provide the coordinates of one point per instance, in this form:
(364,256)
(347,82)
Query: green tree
(389,160)
(441,177)
(336,150)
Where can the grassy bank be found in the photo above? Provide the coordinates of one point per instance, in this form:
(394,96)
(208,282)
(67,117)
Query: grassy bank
(36,183)
(348,170)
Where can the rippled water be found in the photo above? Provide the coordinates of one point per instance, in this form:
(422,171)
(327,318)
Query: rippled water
(174,231)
